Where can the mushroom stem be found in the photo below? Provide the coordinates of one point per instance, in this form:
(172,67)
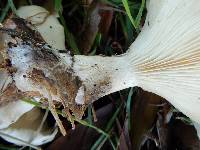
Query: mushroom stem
(103,75)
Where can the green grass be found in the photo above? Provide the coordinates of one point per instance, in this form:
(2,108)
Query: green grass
(135,22)
(58,5)
(126,6)
(6,147)
(69,36)
(12,6)
(85,123)
(102,139)
(4,12)
(128,107)
(17,139)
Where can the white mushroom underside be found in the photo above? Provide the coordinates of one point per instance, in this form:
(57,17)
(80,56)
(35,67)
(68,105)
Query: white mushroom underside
(164,59)
(166,55)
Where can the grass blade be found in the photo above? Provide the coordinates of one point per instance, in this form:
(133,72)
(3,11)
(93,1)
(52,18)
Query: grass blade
(126,6)
(102,139)
(85,123)
(69,36)
(3,147)
(4,12)
(12,6)
(58,5)
(139,15)
(17,139)
(90,114)
(128,107)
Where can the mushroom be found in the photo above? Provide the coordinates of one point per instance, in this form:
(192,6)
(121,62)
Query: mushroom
(30,129)
(164,59)
(46,24)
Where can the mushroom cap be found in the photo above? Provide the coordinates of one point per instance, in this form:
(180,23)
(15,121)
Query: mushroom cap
(166,54)
(26,129)
(46,24)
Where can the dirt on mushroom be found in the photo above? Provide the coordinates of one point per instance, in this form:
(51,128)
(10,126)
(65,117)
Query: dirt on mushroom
(38,68)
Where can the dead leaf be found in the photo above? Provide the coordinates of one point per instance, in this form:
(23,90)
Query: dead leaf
(144,112)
